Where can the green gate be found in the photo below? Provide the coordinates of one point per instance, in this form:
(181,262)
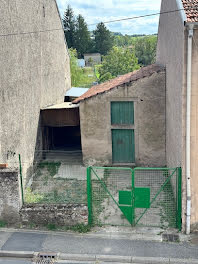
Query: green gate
(134,197)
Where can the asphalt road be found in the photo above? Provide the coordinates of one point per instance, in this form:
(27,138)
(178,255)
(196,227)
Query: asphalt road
(74,244)
(85,244)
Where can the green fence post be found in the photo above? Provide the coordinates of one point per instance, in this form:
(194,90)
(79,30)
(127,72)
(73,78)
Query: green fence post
(133,197)
(89,196)
(21,179)
(179,198)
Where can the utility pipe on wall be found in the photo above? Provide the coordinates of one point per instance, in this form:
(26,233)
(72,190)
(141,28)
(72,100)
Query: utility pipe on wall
(188,127)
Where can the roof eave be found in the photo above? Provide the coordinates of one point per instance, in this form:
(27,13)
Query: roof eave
(191,23)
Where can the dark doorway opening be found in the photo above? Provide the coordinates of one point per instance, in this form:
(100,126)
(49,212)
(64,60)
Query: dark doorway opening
(64,138)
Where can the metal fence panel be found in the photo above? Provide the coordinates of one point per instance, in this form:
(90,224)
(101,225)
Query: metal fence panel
(162,184)
(141,197)
(106,184)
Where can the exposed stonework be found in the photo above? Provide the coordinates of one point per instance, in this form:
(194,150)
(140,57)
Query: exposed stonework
(58,214)
(10,200)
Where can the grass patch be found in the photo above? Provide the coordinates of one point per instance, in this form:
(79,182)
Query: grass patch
(2,224)
(80,228)
(51,227)
(31,197)
(66,191)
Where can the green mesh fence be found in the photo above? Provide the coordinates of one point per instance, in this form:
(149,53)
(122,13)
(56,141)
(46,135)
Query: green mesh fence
(59,177)
(139,197)
(162,211)
(106,183)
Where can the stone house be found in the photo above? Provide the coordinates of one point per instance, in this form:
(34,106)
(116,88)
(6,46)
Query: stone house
(92,59)
(34,74)
(125,112)
(178,51)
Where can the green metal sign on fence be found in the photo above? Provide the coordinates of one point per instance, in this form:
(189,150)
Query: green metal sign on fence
(142,196)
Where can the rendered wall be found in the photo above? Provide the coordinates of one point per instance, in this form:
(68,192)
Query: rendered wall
(149,97)
(34,73)
(10,198)
(194,130)
(170,53)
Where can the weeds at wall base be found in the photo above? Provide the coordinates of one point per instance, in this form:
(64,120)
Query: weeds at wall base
(2,224)
(79,228)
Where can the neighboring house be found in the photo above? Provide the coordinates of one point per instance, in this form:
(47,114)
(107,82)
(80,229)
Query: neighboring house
(81,63)
(178,51)
(34,73)
(92,59)
(123,120)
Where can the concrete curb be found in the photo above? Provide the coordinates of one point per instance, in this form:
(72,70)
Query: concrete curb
(125,259)
(103,258)
(17,254)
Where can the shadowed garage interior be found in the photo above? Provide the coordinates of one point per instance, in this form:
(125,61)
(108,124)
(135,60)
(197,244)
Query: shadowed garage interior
(61,127)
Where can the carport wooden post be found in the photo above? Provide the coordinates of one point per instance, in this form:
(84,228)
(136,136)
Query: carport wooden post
(89,196)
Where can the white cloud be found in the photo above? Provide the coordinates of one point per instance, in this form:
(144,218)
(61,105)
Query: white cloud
(105,10)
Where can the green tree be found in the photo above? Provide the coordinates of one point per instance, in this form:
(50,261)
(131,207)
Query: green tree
(117,62)
(69,26)
(76,71)
(82,36)
(80,77)
(103,39)
(145,50)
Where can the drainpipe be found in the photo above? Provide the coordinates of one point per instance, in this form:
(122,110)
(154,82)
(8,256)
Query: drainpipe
(188,124)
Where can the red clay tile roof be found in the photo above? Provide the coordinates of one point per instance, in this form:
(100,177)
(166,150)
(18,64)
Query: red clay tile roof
(126,78)
(191,10)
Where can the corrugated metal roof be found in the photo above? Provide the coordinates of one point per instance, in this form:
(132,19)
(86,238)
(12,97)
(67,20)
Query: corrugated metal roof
(76,91)
(65,105)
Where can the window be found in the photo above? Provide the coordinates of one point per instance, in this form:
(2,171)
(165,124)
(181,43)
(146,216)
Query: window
(122,113)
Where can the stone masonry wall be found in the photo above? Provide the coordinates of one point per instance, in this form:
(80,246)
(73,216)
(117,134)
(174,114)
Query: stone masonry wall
(58,214)
(10,198)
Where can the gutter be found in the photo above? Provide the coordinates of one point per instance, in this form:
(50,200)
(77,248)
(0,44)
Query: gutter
(188,127)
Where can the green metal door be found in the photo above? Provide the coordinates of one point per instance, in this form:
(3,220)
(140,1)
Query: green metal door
(123,147)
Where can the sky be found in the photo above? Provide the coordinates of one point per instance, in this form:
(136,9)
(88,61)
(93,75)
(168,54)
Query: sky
(105,10)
